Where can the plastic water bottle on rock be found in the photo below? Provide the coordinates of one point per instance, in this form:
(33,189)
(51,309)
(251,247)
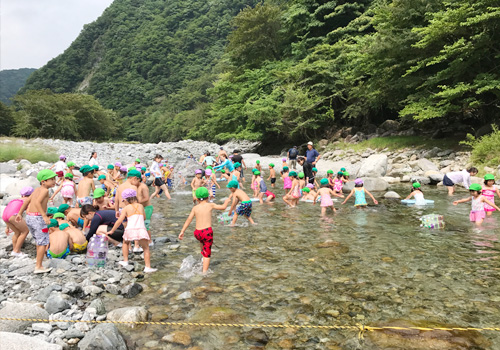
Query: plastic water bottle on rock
(91,252)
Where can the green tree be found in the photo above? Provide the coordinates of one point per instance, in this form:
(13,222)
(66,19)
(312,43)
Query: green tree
(6,119)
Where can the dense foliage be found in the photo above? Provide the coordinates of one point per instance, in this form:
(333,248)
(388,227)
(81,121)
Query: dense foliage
(279,71)
(485,148)
(11,81)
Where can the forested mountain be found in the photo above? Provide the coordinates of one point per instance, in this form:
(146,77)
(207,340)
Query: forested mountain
(279,71)
(11,80)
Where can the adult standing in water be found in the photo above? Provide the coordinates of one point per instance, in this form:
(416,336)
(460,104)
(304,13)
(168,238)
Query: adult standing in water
(312,155)
(307,169)
(457,177)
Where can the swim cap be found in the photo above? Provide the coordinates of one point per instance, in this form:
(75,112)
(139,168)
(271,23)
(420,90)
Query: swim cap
(310,186)
(144,168)
(53,223)
(346,173)
(58,216)
(324,182)
(257,173)
(271,165)
(70,164)
(237,165)
(68,176)
(201,193)
(489,177)
(62,156)
(358,181)
(26,191)
(118,164)
(329,171)
(285,168)
(171,167)
(293,173)
(208,167)
(223,171)
(45,174)
(475,187)
(283,159)
(315,170)
(111,167)
(137,160)
(208,172)
(128,193)
(101,177)
(306,190)
(197,171)
(301,175)
(63,226)
(131,168)
(53,210)
(95,167)
(134,173)
(340,173)
(98,193)
(62,208)
(232,184)
(342,170)
(257,162)
(123,169)
(162,165)
(85,169)
(416,185)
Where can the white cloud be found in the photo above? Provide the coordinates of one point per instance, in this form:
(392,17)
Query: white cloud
(32,32)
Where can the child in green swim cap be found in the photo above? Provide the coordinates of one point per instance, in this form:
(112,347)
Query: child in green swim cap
(477,213)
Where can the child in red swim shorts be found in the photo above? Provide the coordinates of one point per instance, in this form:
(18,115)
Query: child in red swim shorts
(203,214)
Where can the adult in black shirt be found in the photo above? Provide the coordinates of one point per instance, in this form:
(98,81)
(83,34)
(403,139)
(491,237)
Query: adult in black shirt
(307,169)
(101,217)
(237,158)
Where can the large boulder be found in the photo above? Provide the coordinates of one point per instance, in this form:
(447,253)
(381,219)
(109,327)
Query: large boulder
(103,337)
(15,187)
(129,314)
(20,310)
(56,302)
(389,125)
(392,195)
(375,184)
(435,176)
(426,165)
(6,168)
(14,341)
(373,166)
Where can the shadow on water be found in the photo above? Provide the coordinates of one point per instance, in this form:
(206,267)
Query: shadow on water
(356,266)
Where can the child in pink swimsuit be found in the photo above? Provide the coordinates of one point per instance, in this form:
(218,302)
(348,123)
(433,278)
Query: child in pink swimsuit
(489,191)
(477,213)
(67,189)
(293,196)
(338,183)
(20,229)
(326,200)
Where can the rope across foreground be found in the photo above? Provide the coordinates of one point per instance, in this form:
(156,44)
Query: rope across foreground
(361,329)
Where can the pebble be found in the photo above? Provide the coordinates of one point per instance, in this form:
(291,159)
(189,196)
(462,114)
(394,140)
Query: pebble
(41,327)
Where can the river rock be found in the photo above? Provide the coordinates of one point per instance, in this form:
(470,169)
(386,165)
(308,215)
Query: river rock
(103,337)
(56,302)
(44,294)
(426,165)
(389,125)
(373,166)
(257,336)
(392,195)
(423,180)
(370,183)
(6,168)
(14,341)
(129,314)
(20,310)
(98,305)
(132,290)
(178,337)
(435,176)
(15,187)
(215,314)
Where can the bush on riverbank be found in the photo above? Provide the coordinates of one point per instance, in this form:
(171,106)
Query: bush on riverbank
(17,152)
(399,142)
(485,149)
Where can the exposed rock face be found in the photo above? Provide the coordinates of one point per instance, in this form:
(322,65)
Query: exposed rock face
(374,166)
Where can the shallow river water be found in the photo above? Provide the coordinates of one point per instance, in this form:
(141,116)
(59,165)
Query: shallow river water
(371,266)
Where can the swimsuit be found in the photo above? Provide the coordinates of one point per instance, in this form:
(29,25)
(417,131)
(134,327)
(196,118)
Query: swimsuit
(419,199)
(245,208)
(360,199)
(296,192)
(68,189)
(326,201)
(287,183)
(270,194)
(273,180)
(38,228)
(477,213)
(205,237)
(136,228)
(84,200)
(79,248)
(62,255)
(337,185)
(490,195)
(12,209)
(80,222)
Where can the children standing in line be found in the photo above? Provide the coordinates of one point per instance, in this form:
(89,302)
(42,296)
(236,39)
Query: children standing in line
(135,230)
(203,215)
(67,189)
(245,208)
(477,213)
(489,191)
(36,217)
(359,195)
(272,175)
(326,200)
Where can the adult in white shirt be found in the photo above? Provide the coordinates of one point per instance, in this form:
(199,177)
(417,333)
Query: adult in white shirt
(458,177)
(93,159)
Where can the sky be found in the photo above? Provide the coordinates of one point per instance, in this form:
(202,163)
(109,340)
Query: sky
(32,32)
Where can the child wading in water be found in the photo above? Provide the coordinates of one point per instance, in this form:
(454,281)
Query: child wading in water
(197,182)
(67,189)
(203,215)
(489,191)
(293,196)
(359,194)
(326,200)
(477,213)
(135,230)
(417,193)
(272,175)
(245,208)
